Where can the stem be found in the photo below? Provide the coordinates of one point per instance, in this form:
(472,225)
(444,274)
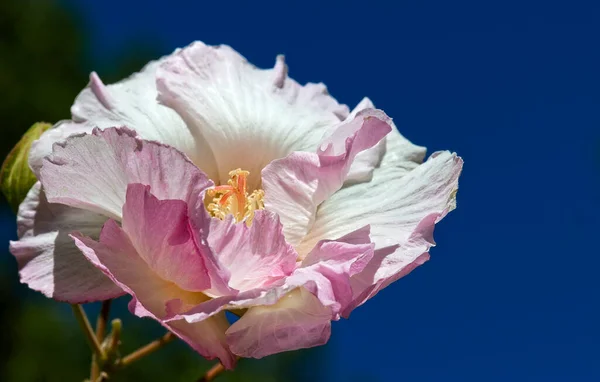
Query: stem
(84,323)
(102,320)
(145,350)
(212,373)
(100,331)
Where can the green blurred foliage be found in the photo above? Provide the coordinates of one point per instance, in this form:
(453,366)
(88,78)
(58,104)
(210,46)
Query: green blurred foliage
(43,67)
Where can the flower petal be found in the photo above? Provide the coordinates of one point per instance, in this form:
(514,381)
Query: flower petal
(296,321)
(256,256)
(394,150)
(132,103)
(42,147)
(401,209)
(116,256)
(48,260)
(296,185)
(161,234)
(238,108)
(325,273)
(207,337)
(333,262)
(311,94)
(92,171)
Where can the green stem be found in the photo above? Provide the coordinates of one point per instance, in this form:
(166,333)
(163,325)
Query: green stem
(84,323)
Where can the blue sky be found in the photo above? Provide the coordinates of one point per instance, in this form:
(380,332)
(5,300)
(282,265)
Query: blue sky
(511,291)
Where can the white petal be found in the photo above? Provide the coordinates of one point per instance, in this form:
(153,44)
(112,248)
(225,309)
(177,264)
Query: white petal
(131,103)
(48,259)
(400,207)
(392,203)
(248,116)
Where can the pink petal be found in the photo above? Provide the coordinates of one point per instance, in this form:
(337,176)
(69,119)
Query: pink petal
(401,209)
(116,256)
(248,116)
(162,236)
(327,269)
(297,321)
(207,337)
(295,186)
(49,261)
(256,256)
(366,161)
(394,150)
(92,171)
(325,273)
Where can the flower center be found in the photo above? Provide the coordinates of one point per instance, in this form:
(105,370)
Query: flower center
(233,199)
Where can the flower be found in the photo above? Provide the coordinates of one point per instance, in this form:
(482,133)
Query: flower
(203,184)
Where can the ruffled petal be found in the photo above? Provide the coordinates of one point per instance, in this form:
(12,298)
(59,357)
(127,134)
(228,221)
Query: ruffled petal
(92,171)
(394,150)
(296,185)
(161,234)
(116,256)
(48,260)
(401,209)
(257,256)
(311,94)
(296,321)
(325,273)
(132,103)
(42,147)
(248,116)
(328,268)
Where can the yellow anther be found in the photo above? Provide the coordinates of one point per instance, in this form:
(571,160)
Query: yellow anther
(233,199)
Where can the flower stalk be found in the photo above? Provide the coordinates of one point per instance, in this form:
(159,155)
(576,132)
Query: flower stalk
(212,373)
(84,323)
(145,350)
(100,331)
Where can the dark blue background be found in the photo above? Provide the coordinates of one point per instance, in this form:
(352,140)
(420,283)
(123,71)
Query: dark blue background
(511,291)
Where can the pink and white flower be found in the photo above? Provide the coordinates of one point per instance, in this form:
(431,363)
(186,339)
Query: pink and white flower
(203,184)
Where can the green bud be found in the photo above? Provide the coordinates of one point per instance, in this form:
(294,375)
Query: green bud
(16,178)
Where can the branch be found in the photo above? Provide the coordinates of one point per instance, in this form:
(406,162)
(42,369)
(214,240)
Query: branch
(84,323)
(100,331)
(212,373)
(145,350)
